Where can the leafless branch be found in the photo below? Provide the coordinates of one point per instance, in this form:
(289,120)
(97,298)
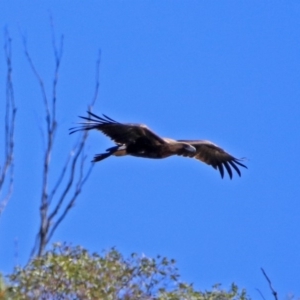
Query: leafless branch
(81,181)
(41,83)
(56,204)
(261,294)
(274,293)
(97,80)
(59,180)
(7,169)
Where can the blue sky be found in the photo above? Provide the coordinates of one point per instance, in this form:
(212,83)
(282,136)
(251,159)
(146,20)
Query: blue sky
(226,71)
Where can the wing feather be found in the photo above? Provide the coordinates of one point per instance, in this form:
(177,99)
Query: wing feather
(221,169)
(235,167)
(120,133)
(215,156)
(229,171)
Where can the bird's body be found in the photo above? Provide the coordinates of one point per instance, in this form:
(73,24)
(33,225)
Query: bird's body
(138,140)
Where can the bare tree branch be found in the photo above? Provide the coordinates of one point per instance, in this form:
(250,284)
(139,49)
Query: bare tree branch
(7,170)
(97,80)
(261,294)
(81,181)
(274,293)
(55,205)
(82,178)
(59,180)
(41,83)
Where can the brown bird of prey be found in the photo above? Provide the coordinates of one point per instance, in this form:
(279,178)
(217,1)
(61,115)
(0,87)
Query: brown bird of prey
(138,140)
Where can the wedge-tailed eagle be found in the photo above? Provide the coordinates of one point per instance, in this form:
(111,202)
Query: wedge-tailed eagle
(138,140)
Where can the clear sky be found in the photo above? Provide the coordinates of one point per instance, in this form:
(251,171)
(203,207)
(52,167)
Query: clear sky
(226,71)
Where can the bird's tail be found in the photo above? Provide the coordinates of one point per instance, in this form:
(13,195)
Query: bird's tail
(99,157)
(110,151)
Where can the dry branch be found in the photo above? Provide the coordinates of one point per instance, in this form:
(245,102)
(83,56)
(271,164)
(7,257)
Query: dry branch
(274,293)
(56,201)
(7,169)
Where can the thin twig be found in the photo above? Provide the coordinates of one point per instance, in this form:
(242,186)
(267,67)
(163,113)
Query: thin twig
(71,202)
(58,52)
(47,155)
(60,179)
(274,293)
(98,63)
(7,170)
(61,203)
(261,294)
(39,78)
(69,184)
(81,180)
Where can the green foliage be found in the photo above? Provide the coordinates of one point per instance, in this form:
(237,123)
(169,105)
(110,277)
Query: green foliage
(4,293)
(2,287)
(73,273)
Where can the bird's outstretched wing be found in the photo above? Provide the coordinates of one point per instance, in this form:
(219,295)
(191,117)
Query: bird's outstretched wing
(215,156)
(118,132)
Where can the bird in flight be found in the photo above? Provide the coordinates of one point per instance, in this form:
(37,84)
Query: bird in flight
(138,140)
